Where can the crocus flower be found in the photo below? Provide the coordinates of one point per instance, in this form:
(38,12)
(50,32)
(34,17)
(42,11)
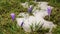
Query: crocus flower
(12,16)
(22,24)
(30,9)
(49,10)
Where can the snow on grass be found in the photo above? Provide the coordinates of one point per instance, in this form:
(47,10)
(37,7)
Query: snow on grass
(38,16)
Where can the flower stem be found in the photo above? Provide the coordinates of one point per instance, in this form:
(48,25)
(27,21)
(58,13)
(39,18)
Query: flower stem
(49,17)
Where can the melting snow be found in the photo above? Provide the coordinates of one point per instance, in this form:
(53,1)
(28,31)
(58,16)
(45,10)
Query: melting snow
(38,17)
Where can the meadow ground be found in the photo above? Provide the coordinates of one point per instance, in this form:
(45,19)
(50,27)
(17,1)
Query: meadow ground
(7,26)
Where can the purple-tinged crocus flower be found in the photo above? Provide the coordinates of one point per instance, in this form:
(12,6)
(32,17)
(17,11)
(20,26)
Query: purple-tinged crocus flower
(49,10)
(30,9)
(12,16)
(22,24)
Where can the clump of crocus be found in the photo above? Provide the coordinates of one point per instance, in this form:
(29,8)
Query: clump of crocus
(30,9)
(49,11)
(12,16)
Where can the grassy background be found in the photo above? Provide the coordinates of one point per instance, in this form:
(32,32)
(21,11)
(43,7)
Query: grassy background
(7,26)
